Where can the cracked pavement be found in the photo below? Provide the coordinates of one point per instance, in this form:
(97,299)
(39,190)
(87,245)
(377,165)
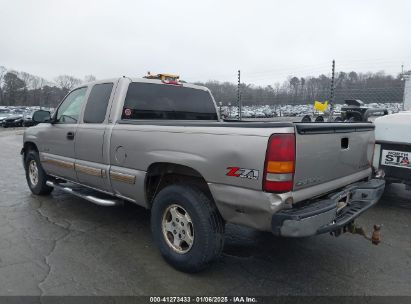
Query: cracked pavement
(63,245)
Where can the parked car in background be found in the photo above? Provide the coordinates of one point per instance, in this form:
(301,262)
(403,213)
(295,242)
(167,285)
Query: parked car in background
(28,120)
(4,113)
(259,114)
(13,121)
(355,110)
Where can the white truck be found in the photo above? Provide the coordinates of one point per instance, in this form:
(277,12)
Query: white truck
(393,147)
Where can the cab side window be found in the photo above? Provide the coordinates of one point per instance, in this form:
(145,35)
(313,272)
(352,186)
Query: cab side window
(69,110)
(97,103)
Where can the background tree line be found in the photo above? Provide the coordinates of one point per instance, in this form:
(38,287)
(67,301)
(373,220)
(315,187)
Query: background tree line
(369,87)
(21,88)
(24,89)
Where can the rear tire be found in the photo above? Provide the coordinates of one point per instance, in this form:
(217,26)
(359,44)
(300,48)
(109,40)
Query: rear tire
(35,175)
(187,228)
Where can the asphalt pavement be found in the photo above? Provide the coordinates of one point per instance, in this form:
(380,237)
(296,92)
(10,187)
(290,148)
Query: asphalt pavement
(63,245)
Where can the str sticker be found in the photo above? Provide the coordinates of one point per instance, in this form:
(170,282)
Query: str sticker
(396,159)
(242,172)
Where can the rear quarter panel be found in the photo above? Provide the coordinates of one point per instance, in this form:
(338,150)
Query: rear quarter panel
(208,150)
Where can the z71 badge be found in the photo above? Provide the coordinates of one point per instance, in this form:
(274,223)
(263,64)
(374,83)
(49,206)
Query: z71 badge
(242,172)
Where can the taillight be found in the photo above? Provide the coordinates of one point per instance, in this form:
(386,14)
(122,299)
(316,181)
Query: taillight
(279,164)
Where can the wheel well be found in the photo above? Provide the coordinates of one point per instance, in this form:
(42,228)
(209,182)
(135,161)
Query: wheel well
(159,175)
(30,146)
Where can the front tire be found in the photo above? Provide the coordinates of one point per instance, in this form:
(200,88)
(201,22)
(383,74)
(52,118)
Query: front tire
(187,228)
(35,175)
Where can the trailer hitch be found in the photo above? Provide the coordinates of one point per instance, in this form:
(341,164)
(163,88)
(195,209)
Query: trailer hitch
(375,237)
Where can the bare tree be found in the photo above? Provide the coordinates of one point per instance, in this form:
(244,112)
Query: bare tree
(13,88)
(38,82)
(89,78)
(67,82)
(3,72)
(26,77)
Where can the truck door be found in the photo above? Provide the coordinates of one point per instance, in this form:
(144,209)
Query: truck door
(92,163)
(57,153)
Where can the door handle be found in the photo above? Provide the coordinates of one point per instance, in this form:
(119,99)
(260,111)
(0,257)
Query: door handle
(70,135)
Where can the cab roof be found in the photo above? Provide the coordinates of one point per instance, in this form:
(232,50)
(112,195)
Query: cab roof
(145,80)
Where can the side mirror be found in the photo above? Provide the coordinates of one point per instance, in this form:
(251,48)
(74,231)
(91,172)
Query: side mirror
(41,116)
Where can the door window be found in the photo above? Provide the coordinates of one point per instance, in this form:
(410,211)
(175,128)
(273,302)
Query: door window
(69,110)
(96,107)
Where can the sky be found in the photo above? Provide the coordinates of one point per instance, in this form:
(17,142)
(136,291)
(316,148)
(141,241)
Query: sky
(204,40)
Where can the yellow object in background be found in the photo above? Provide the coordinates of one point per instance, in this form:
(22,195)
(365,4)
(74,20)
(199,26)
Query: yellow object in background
(319,106)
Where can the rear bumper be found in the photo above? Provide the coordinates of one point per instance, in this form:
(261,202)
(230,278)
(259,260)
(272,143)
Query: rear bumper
(324,215)
(393,174)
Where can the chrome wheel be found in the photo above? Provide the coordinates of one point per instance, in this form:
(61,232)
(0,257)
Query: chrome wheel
(178,229)
(33,173)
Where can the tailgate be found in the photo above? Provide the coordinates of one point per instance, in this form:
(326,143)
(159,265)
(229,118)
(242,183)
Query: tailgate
(331,151)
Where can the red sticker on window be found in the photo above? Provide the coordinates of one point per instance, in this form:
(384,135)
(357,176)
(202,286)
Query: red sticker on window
(127,112)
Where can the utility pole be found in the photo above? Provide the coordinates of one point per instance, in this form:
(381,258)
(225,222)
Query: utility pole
(239,96)
(332,89)
(406,105)
(332,83)
(405,90)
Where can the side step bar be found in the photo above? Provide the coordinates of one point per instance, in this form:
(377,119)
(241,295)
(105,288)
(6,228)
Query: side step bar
(91,198)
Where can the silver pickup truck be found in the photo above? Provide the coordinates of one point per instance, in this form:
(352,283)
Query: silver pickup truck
(162,145)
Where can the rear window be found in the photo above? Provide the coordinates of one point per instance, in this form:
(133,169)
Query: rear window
(159,101)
